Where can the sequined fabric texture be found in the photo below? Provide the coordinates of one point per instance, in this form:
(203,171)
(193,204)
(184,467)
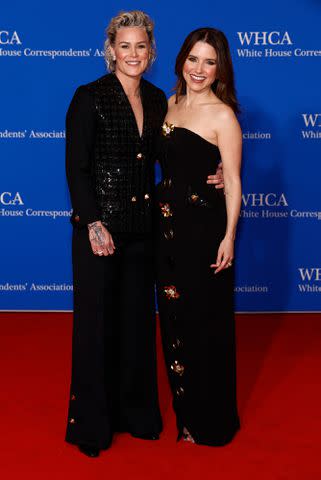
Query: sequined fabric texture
(123,167)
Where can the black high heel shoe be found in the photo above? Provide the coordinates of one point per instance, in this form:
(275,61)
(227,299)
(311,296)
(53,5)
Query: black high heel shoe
(88,450)
(146,436)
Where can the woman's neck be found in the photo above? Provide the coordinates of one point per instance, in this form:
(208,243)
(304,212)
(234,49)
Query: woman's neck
(193,99)
(131,85)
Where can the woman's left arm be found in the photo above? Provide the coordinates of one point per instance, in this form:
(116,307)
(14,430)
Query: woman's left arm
(230,144)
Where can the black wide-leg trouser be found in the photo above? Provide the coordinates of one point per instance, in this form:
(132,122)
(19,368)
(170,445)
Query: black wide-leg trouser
(113,385)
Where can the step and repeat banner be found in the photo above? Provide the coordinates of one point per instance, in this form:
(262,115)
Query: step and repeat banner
(47,50)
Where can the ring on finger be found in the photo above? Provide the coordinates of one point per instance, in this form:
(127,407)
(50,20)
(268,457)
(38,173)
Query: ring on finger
(229,264)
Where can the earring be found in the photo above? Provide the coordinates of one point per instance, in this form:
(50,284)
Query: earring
(114,58)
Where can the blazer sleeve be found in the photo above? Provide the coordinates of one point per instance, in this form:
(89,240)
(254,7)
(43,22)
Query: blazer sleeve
(164,106)
(80,136)
(163,112)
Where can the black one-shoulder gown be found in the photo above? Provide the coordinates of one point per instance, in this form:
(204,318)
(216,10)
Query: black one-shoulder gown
(196,306)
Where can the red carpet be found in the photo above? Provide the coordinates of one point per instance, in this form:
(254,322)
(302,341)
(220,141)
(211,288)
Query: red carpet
(279,364)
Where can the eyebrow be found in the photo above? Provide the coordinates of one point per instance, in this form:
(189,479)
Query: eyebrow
(195,56)
(128,43)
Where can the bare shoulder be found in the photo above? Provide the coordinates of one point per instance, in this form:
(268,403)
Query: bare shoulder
(222,112)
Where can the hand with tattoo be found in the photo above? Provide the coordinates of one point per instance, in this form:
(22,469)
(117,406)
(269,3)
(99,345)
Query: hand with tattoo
(100,239)
(217,179)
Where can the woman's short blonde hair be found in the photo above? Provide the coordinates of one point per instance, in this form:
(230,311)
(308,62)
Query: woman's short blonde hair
(135,18)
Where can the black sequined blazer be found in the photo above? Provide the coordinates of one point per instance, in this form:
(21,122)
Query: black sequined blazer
(110,168)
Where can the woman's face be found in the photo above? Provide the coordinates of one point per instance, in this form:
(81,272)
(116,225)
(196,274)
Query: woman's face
(132,51)
(199,70)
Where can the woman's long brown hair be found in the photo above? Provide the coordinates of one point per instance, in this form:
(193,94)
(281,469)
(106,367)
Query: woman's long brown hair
(223,86)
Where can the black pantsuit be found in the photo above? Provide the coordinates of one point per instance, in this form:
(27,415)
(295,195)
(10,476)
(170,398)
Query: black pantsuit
(110,171)
(114,361)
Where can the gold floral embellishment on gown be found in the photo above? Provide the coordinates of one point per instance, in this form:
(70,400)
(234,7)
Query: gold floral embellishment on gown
(166,210)
(177,343)
(179,391)
(177,368)
(171,292)
(167,129)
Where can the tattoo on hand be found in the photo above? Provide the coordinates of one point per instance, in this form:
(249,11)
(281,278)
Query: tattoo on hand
(96,234)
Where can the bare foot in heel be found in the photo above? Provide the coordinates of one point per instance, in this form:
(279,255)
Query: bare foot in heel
(187,436)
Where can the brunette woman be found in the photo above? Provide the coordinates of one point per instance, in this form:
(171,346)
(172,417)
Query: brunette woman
(197,227)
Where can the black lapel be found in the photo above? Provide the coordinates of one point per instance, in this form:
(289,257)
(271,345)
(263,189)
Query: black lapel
(122,99)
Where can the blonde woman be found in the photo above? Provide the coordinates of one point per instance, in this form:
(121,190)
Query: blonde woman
(111,127)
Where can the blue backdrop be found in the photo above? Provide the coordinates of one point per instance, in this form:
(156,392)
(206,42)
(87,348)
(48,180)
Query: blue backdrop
(47,50)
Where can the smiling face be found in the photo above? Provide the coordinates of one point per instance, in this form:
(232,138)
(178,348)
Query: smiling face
(132,51)
(200,67)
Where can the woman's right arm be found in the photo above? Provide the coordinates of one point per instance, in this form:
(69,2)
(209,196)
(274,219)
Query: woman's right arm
(80,136)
